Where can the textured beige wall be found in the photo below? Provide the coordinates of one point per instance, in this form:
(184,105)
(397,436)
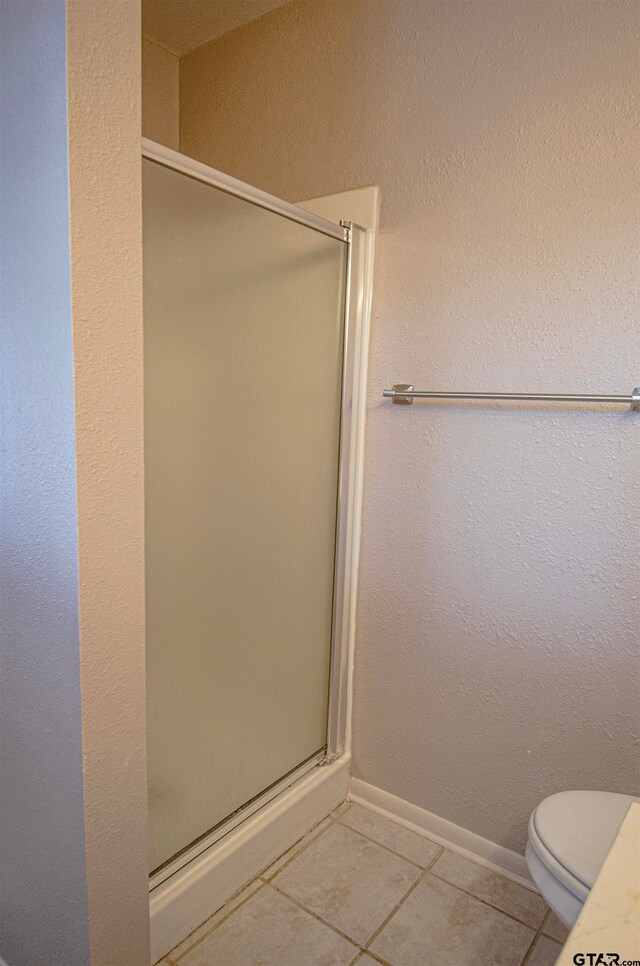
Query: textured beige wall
(497,649)
(106,280)
(160,74)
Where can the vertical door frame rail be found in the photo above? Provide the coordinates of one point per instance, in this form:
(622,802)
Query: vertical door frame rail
(354,372)
(349,492)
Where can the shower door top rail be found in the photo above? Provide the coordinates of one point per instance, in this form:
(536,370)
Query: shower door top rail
(255,196)
(404,394)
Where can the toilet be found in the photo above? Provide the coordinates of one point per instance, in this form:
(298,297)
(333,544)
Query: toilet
(570,834)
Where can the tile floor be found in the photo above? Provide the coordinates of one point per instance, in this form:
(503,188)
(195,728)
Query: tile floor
(361,889)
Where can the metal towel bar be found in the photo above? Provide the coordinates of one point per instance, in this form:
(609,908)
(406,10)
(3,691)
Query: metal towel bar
(404,394)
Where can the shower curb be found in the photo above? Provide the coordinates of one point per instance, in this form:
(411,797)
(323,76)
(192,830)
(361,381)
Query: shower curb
(181,903)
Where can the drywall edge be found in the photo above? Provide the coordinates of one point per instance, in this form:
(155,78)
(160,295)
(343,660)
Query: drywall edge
(104,116)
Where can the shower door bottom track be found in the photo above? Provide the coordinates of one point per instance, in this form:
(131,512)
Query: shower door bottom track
(177,862)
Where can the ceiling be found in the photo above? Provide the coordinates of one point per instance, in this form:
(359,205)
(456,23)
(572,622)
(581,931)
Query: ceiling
(183,25)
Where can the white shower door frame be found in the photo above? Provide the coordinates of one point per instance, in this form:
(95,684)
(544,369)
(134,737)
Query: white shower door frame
(357,295)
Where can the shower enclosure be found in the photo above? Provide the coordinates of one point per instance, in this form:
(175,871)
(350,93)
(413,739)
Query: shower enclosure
(250,309)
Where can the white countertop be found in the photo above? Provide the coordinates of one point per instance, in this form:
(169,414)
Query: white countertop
(610,918)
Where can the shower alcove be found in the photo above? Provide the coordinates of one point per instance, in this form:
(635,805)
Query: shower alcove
(256,319)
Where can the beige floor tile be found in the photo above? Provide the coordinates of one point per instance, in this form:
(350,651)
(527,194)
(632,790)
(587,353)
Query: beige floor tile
(440,924)
(270,930)
(545,952)
(506,895)
(289,854)
(213,920)
(348,880)
(555,928)
(409,844)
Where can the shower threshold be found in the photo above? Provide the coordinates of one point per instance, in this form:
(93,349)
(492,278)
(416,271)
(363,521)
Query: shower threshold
(184,892)
(213,835)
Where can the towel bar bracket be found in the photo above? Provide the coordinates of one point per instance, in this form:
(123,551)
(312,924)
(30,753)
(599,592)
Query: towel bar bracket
(402,400)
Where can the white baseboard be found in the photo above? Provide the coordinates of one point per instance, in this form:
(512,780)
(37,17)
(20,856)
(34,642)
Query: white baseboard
(510,864)
(181,903)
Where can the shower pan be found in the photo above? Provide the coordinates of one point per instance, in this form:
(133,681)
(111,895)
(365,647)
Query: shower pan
(254,341)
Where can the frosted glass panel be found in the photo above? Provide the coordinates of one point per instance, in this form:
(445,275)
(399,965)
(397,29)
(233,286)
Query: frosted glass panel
(243,355)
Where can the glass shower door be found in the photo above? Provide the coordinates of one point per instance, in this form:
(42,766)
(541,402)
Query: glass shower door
(244,314)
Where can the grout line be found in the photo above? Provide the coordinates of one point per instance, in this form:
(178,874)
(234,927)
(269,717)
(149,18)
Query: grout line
(329,819)
(302,849)
(435,859)
(387,847)
(545,919)
(386,920)
(465,852)
(424,871)
(361,948)
(534,941)
(377,958)
(313,834)
(548,935)
(429,868)
(224,919)
(486,902)
(420,879)
(263,881)
(529,952)
(354,942)
(338,821)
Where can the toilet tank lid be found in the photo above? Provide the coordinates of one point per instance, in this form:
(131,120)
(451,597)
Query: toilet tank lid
(578,828)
